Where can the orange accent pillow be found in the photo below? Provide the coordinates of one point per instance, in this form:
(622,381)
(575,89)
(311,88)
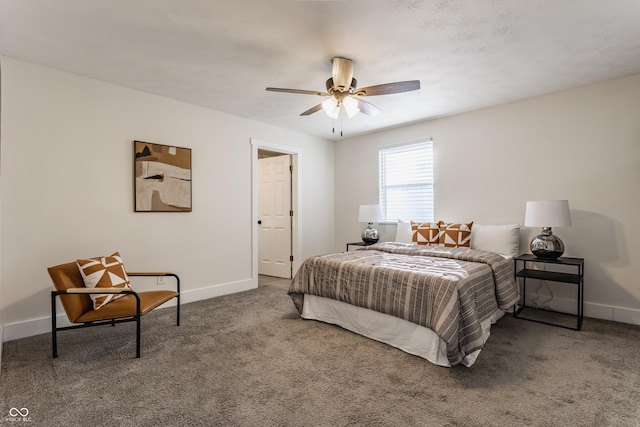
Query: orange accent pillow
(425,233)
(104,272)
(454,235)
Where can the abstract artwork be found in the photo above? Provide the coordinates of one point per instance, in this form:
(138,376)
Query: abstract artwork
(162,178)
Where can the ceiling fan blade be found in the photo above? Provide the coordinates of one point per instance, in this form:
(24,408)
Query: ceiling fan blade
(342,73)
(303,92)
(312,110)
(389,88)
(367,108)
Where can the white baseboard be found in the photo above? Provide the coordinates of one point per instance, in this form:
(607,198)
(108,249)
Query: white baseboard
(28,328)
(596,311)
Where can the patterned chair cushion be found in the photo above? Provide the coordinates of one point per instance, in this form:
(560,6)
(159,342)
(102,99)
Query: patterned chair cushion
(104,272)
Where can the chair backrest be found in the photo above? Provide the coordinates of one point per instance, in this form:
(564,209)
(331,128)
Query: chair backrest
(65,276)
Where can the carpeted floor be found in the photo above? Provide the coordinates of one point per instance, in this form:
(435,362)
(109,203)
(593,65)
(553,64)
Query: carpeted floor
(249,360)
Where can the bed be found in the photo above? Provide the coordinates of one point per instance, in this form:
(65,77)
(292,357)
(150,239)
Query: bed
(431,301)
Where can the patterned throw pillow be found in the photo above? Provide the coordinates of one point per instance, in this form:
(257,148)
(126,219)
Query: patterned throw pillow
(455,235)
(425,233)
(105,272)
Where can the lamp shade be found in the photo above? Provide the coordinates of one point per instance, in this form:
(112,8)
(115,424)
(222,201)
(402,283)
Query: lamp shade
(370,213)
(547,213)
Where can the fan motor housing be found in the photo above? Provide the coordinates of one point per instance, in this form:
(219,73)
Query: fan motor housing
(331,89)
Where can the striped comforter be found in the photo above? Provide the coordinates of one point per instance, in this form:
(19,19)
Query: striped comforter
(448,290)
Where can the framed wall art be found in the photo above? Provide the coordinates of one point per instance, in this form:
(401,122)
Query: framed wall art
(162,178)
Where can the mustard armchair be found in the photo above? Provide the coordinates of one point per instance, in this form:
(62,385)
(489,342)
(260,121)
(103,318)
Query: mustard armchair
(78,306)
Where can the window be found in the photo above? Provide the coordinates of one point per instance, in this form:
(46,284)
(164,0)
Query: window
(406,182)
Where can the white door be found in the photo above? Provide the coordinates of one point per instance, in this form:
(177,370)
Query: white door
(274,216)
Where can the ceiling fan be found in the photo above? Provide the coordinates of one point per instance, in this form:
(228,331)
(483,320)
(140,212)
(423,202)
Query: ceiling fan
(343,94)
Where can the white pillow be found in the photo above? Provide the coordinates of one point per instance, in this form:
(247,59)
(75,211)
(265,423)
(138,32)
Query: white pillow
(502,239)
(403,232)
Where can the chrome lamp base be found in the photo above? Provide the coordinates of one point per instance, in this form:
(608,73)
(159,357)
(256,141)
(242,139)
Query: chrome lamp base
(370,235)
(547,245)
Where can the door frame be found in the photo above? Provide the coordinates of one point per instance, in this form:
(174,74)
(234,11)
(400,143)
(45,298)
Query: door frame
(295,153)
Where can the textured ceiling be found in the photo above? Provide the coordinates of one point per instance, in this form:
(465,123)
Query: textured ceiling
(223,54)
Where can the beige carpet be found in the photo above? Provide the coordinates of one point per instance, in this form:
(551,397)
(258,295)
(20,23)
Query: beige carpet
(249,360)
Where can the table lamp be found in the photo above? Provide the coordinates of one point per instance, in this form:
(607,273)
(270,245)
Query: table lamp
(547,214)
(370,214)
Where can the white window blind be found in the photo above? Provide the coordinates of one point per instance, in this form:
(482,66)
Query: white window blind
(406,182)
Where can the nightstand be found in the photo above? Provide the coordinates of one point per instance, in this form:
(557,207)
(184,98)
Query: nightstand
(355,244)
(574,277)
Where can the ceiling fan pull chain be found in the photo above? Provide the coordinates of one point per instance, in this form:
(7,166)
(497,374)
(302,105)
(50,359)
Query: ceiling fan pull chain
(340,128)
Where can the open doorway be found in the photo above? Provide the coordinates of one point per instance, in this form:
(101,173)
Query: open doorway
(275,209)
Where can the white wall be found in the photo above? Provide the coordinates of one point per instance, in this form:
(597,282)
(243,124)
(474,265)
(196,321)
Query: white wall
(67,189)
(582,145)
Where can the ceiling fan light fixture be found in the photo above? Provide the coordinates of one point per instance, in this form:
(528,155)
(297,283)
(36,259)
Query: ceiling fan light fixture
(331,107)
(350,106)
